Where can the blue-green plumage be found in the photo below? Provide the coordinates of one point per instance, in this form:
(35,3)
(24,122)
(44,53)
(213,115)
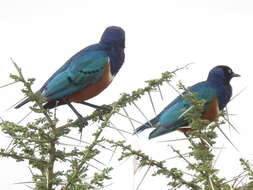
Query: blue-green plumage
(83,71)
(216,86)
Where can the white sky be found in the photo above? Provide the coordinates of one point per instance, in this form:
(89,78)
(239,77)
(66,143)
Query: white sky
(160,35)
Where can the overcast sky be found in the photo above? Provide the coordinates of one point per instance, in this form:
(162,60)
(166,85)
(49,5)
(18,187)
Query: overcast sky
(160,35)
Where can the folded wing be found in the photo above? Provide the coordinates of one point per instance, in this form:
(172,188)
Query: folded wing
(84,71)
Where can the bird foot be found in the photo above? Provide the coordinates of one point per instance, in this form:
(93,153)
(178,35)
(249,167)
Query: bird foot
(104,109)
(82,123)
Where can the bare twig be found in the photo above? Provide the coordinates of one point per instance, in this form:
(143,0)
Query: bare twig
(227,138)
(142,179)
(8,84)
(152,103)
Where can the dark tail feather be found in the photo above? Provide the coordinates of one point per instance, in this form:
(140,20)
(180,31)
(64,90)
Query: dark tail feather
(147,125)
(49,105)
(22,103)
(12,106)
(142,128)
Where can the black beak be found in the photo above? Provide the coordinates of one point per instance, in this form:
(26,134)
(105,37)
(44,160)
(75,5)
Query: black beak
(235,75)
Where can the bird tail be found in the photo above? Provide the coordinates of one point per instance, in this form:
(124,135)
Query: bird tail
(147,125)
(18,104)
(22,103)
(49,105)
(142,128)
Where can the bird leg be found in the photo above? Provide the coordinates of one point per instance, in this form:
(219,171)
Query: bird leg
(80,117)
(105,107)
(102,109)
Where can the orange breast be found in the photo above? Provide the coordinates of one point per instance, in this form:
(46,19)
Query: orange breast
(212,111)
(93,89)
(211,114)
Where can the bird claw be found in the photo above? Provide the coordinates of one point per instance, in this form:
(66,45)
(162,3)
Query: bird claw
(104,109)
(83,123)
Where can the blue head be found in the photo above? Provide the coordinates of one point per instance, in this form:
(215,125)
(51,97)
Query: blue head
(113,36)
(221,74)
(113,39)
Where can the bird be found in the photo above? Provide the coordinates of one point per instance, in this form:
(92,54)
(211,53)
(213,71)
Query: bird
(85,74)
(216,91)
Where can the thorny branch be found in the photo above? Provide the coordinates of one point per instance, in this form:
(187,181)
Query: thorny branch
(36,143)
